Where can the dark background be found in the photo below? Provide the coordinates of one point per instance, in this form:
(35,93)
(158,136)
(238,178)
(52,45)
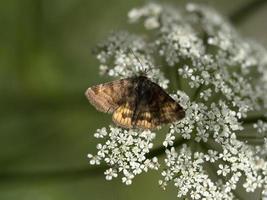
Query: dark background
(46,123)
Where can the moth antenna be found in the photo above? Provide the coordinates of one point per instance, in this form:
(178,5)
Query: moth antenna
(145,70)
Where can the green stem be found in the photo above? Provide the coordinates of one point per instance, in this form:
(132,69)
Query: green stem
(242,13)
(197,92)
(161,150)
(254,119)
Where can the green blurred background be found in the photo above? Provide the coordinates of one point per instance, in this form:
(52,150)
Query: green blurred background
(46,123)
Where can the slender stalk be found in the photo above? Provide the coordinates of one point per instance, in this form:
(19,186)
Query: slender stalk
(197,92)
(161,150)
(254,119)
(242,13)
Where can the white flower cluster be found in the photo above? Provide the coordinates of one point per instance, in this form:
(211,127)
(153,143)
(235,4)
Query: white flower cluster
(124,151)
(126,55)
(151,13)
(261,127)
(186,171)
(222,79)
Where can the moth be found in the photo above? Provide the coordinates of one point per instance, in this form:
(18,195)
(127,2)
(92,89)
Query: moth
(135,102)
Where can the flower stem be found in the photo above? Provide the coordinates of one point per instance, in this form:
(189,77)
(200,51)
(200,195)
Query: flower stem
(161,150)
(197,92)
(242,13)
(254,119)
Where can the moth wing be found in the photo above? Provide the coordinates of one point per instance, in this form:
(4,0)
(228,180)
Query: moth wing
(159,109)
(108,97)
(146,120)
(123,116)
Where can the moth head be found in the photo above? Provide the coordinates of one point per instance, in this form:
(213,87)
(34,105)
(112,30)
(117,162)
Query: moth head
(143,72)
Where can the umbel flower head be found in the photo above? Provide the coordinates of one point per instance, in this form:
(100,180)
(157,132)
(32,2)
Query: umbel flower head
(218,77)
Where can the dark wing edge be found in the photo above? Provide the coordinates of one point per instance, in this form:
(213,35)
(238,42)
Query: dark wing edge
(164,108)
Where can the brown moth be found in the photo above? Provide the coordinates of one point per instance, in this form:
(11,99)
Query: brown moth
(135,102)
